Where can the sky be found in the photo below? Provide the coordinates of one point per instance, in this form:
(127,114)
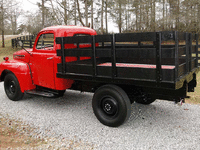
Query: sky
(31,5)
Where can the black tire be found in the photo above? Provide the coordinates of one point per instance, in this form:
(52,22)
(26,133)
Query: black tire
(111,105)
(12,87)
(144,99)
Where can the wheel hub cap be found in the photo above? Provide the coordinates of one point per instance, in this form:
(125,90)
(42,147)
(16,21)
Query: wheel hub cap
(109,106)
(12,87)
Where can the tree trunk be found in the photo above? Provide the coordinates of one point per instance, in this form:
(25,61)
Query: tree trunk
(106,16)
(55,14)
(166,22)
(120,17)
(12,20)
(153,16)
(79,13)
(126,10)
(75,22)
(136,13)
(163,14)
(2,28)
(65,11)
(147,16)
(198,17)
(102,10)
(92,17)
(140,16)
(15,22)
(177,16)
(128,19)
(42,13)
(86,12)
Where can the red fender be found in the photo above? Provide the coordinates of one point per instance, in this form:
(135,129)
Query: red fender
(22,72)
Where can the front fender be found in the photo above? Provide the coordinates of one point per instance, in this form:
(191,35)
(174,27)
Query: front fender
(22,72)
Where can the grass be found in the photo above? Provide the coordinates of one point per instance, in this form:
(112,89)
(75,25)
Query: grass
(7,50)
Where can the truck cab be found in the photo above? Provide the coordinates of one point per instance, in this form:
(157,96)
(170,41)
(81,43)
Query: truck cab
(34,70)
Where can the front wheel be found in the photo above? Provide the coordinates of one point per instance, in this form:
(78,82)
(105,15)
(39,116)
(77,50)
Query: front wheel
(111,105)
(12,87)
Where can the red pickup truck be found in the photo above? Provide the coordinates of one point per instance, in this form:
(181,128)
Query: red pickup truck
(119,69)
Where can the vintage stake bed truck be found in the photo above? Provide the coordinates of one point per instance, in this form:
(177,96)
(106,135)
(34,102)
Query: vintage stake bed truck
(120,68)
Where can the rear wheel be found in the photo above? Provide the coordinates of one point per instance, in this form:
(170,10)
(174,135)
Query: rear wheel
(111,105)
(12,87)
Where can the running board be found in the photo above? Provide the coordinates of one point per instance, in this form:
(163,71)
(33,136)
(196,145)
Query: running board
(40,93)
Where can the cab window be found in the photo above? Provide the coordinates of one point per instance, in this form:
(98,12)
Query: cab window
(45,41)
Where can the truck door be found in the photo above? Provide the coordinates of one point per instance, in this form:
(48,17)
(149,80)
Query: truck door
(42,61)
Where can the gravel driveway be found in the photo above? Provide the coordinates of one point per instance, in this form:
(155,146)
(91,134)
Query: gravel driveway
(161,125)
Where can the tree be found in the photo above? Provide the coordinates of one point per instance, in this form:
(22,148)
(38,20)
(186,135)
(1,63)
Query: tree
(6,17)
(106,15)
(86,12)
(79,13)
(92,14)
(2,23)
(102,11)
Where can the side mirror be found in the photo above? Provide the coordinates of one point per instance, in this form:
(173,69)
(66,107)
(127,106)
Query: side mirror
(20,43)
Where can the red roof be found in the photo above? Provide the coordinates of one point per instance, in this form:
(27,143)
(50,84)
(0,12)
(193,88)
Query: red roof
(69,30)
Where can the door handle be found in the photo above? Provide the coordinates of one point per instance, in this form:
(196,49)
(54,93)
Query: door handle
(49,58)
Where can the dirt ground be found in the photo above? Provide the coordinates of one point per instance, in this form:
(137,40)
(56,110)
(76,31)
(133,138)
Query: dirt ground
(13,135)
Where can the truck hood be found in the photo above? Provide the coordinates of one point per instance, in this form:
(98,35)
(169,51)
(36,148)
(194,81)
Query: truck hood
(22,55)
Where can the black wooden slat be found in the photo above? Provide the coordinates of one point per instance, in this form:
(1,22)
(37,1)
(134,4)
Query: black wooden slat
(94,61)
(182,69)
(85,52)
(176,56)
(103,38)
(197,40)
(193,62)
(187,52)
(113,57)
(135,37)
(136,73)
(190,50)
(181,50)
(77,39)
(181,36)
(79,68)
(158,58)
(63,56)
(193,50)
(193,36)
(135,53)
(168,52)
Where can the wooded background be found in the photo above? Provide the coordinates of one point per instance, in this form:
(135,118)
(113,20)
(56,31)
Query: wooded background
(126,15)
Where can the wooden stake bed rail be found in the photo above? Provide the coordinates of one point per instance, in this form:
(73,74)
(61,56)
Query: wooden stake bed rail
(137,65)
(131,58)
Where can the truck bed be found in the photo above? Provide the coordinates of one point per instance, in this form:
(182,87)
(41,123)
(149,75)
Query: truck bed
(131,58)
